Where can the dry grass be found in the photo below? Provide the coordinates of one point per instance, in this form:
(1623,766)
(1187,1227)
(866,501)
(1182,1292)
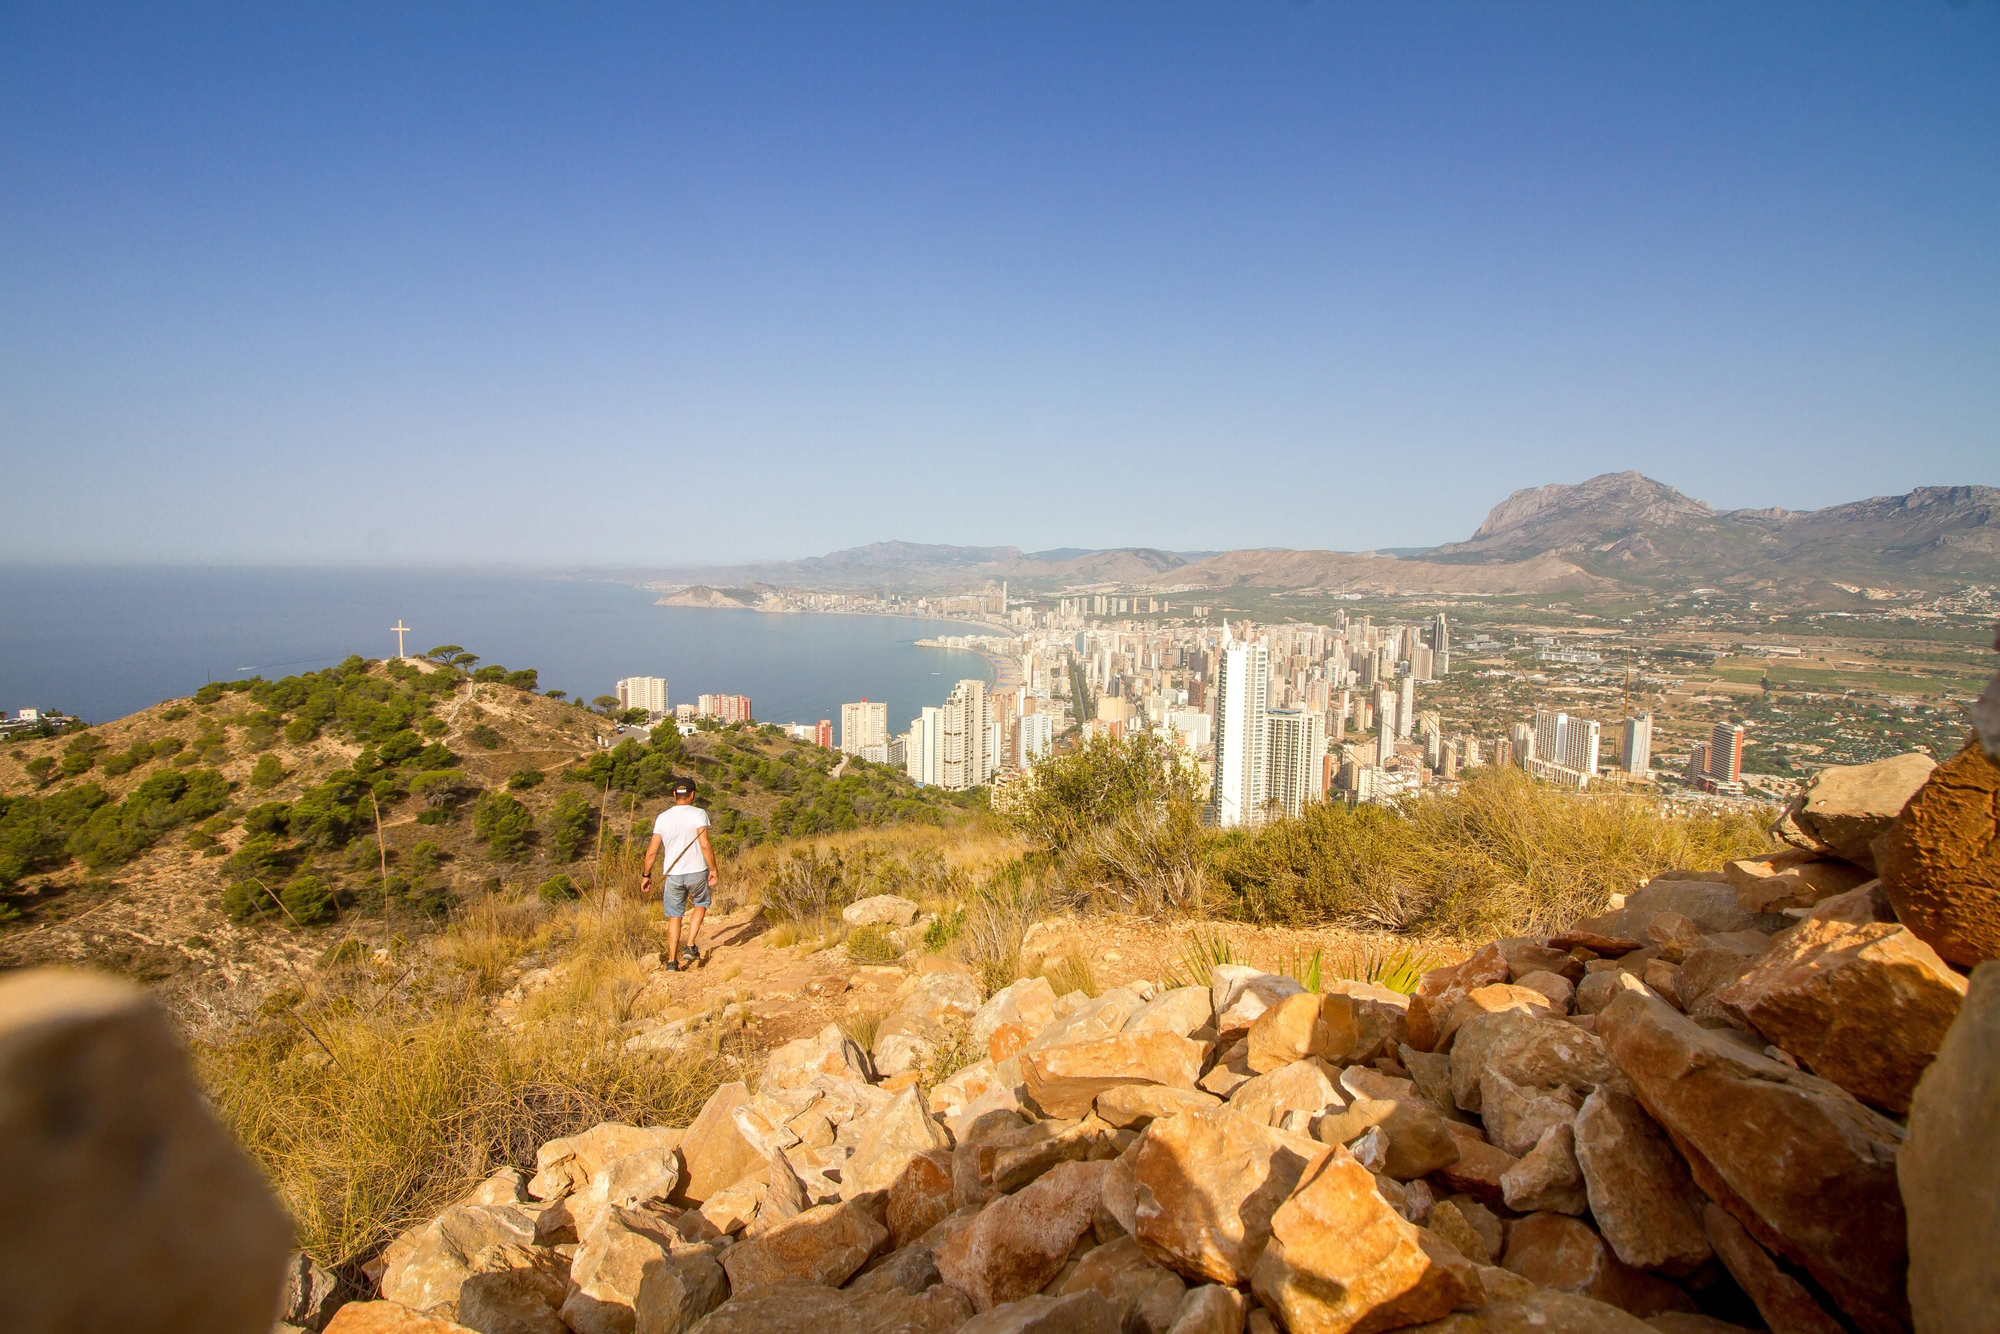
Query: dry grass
(996,926)
(377,1093)
(1071,972)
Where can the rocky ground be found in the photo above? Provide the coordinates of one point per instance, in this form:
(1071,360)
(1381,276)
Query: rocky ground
(1756,1096)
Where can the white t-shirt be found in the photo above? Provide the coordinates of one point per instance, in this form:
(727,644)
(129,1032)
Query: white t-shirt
(679,829)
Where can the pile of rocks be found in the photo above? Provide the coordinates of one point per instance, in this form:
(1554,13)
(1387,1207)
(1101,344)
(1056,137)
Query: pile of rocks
(1687,1115)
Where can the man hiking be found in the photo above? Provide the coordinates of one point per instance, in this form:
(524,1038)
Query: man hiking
(687,875)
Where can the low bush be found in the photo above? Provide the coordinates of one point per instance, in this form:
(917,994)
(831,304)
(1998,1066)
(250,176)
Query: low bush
(872,944)
(558,888)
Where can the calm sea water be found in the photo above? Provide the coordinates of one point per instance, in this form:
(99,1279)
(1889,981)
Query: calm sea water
(104,642)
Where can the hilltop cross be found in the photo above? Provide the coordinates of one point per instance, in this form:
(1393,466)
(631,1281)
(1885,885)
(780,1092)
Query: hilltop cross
(400,630)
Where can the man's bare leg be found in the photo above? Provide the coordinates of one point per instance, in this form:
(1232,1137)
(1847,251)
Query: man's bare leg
(695,914)
(674,940)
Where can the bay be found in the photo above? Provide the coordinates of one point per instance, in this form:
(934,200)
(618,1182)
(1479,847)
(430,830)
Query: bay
(104,642)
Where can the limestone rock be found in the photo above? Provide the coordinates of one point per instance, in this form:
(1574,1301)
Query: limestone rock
(1539,1312)
(1690,1322)
(920,1198)
(567,1165)
(1949,1173)
(730,1210)
(1092,1018)
(889,1139)
(1210,1308)
(938,997)
(1554,987)
(1415,1140)
(520,1298)
(1844,808)
(136,1211)
(1564,1253)
(310,1294)
(1710,967)
(1781,1299)
(1030,1001)
(1382,1016)
(1941,860)
(508,1186)
(1449,1224)
(1136,1105)
(1300,1026)
(1147,1298)
(1645,1204)
(389,1318)
(1248,997)
(1532,1051)
(1605,947)
(1442,988)
(1206,1185)
(1017,1244)
(1597,990)
(426,1265)
(880,910)
(1517,1117)
(825,1244)
(714,1153)
(809,1309)
(1478,1171)
(1230,1072)
(1086,1312)
(1794,878)
(1340,1259)
(1182,1010)
(829,1052)
(1533,954)
(609,1266)
(1807,1168)
(1547,1178)
(1064,1080)
(1291,1097)
(1711,905)
(1863,1006)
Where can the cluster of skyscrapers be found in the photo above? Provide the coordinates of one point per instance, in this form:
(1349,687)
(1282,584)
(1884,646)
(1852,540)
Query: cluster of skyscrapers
(650,693)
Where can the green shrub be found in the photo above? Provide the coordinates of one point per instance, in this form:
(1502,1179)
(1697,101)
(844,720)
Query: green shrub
(570,823)
(558,888)
(268,773)
(167,747)
(944,929)
(523,779)
(307,901)
(301,730)
(485,737)
(246,901)
(872,944)
(1068,795)
(502,823)
(424,858)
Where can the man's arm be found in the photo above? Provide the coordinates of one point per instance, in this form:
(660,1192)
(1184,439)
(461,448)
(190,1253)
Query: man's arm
(652,851)
(708,854)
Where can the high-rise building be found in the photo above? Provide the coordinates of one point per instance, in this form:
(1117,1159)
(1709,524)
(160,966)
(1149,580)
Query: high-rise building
(1297,758)
(863,724)
(1566,742)
(1521,744)
(1035,736)
(729,708)
(643,692)
(823,734)
(1406,708)
(923,749)
(1242,683)
(1440,645)
(1697,766)
(968,735)
(1725,753)
(1635,746)
(1420,662)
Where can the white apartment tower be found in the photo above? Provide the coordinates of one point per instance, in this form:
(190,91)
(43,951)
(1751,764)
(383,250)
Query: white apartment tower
(1297,750)
(923,748)
(643,692)
(1242,675)
(1568,743)
(862,725)
(1635,750)
(1034,736)
(968,758)
(1406,708)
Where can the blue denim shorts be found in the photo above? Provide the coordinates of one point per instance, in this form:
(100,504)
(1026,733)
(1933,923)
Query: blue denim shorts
(684,891)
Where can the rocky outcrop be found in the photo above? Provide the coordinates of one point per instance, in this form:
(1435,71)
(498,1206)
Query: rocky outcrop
(1842,810)
(1940,861)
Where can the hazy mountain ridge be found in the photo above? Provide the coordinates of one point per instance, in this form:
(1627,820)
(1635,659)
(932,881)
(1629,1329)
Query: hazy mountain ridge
(1615,529)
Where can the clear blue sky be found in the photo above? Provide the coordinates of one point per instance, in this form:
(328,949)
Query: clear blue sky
(597,283)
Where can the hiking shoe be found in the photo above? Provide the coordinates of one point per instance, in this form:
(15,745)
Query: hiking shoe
(671,966)
(690,957)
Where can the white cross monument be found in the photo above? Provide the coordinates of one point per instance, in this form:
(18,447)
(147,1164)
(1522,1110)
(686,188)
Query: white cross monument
(400,630)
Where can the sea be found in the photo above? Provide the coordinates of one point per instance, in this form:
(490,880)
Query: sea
(104,642)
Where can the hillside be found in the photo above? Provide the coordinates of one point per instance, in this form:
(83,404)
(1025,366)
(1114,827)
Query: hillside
(207,843)
(1343,572)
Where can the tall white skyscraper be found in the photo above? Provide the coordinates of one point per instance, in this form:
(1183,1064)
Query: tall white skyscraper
(923,748)
(863,725)
(1242,675)
(968,738)
(1406,708)
(1440,645)
(1570,743)
(643,692)
(1297,750)
(1635,749)
(1035,736)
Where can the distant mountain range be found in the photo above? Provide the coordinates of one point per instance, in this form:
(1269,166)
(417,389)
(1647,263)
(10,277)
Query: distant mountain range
(1619,530)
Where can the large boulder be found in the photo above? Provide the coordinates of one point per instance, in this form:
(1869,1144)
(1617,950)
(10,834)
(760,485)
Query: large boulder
(1710,903)
(1300,1026)
(136,1210)
(1794,878)
(1645,1204)
(1415,1140)
(1206,1185)
(1950,1174)
(621,1254)
(880,910)
(1340,1259)
(1536,1051)
(824,1244)
(1030,1001)
(887,1141)
(714,1153)
(1782,1300)
(518,1298)
(1557,1251)
(1547,1178)
(1136,1106)
(1863,1006)
(1845,808)
(1442,988)
(1182,1010)
(426,1266)
(923,1196)
(1084,1312)
(1147,1298)
(1940,860)
(1015,1245)
(1064,1080)
(1243,999)
(1808,1170)
(569,1165)
(1291,1097)
(1381,1015)
(829,1052)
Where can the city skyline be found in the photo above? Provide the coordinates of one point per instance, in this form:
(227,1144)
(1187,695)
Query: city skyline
(411,264)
